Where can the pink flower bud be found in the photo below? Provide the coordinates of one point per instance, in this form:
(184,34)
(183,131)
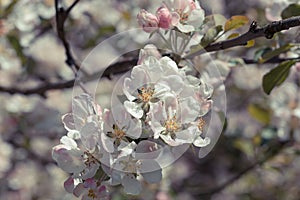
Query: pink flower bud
(147,20)
(165,17)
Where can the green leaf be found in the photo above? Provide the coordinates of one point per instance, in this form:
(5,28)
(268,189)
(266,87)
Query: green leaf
(15,43)
(270,54)
(233,35)
(214,20)
(259,113)
(235,22)
(4,12)
(219,19)
(210,35)
(290,11)
(277,76)
(245,146)
(250,43)
(260,52)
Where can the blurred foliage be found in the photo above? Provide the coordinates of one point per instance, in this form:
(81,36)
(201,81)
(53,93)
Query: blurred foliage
(30,125)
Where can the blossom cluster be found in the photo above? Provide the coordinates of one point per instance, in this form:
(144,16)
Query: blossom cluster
(163,108)
(185,15)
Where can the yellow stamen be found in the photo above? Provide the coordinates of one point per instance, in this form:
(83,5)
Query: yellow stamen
(171,124)
(201,124)
(92,194)
(145,94)
(118,133)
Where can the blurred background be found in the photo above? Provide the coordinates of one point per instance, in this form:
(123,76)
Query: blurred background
(256,156)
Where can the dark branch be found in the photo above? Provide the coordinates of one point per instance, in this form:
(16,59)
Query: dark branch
(267,31)
(114,69)
(126,64)
(273,150)
(40,90)
(271,61)
(61,17)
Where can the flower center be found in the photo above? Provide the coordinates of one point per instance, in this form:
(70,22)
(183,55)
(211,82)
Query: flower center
(118,133)
(145,94)
(171,124)
(92,194)
(89,159)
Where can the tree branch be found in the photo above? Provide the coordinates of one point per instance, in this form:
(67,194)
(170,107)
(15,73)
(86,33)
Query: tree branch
(114,69)
(126,64)
(267,31)
(274,150)
(61,17)
(271,61)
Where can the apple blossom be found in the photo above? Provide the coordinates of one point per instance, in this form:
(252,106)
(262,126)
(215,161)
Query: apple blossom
(164,108)
(187,14)
(118,128)
(127,168)
(85,121)
(165,17)
(91,190)
(147,20)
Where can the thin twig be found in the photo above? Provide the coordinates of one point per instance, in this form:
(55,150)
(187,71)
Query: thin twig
(267,31)
(126,64)
(114,69)
(271,61)
(61,17)
(275,150)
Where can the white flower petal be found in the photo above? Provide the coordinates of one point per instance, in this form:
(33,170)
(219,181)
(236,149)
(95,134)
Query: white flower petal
(68,121)
(107,143)
(131,185)
(167,139)
(89,135)
(148,165)
(152,177)
(189,110)
(135,128)
(139,77)
(133,108)
(200,142)
(68,160)
(185,28)
(90,171)
(115,177)
(70,143)
(147,150)
(185,136)
(196,18)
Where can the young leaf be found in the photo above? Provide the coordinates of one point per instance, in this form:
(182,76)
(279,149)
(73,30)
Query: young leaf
(219,19)
(259,113)
(233,35)
(270,54)
(290,11)
(277,76)
(260,52)
(250,43)
(15,43)
(210,35)
(235,22)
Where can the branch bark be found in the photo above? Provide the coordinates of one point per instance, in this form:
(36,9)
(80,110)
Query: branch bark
(114,69)
(126,64)
(274,150)
(267,31)
(61,16)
